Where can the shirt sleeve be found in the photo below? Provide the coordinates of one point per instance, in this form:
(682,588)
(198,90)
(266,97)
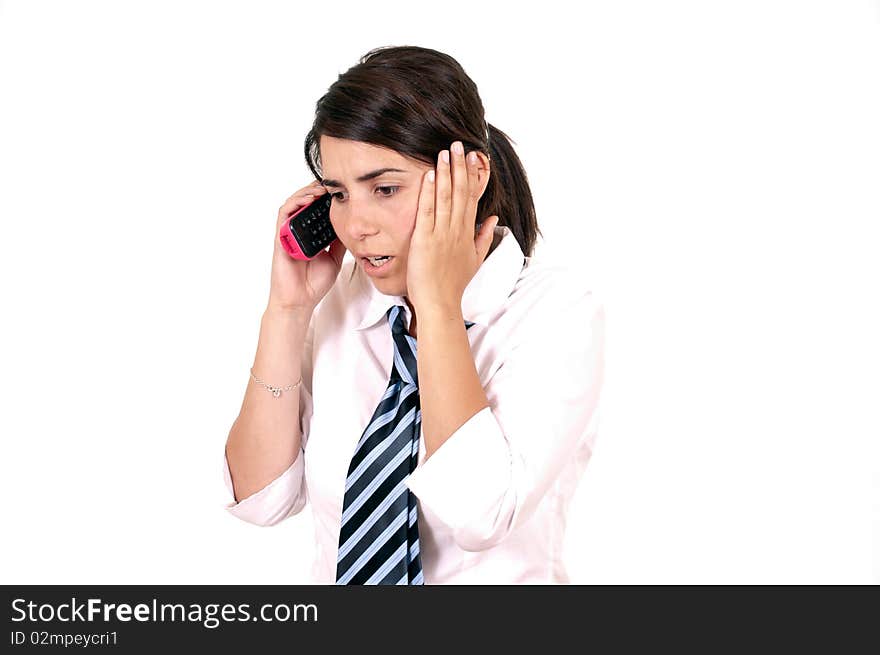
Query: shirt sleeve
(489,476)
(287,494)
(281,498)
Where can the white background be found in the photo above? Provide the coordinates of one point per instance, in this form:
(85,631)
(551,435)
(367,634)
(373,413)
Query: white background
(713,168)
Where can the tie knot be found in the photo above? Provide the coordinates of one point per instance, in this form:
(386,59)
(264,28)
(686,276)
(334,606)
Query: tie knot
(405,366)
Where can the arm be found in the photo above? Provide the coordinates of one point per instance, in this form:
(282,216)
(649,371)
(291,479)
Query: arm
(488,477)
(450,391)
(265,443)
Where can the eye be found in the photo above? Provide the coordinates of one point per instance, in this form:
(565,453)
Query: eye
(386,192)
(392,189)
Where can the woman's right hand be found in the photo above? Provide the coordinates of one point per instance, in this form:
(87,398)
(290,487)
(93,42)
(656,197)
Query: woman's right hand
(298,284)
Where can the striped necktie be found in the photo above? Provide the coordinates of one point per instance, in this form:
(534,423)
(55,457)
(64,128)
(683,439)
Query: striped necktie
(379,534)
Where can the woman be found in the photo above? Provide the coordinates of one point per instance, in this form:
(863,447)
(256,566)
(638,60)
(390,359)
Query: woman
(437,402)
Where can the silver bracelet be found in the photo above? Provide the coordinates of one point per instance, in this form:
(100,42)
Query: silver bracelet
(276,391)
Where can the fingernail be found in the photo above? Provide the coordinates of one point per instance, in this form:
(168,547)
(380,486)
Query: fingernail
(444,156)
(457,148)
(431,176)
(472,157)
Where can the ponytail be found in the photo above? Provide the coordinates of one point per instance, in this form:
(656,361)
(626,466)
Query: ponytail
(508,194)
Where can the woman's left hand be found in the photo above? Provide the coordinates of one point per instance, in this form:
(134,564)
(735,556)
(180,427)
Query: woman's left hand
(444,253)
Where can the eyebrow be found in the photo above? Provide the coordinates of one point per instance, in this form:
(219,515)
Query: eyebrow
(366,177)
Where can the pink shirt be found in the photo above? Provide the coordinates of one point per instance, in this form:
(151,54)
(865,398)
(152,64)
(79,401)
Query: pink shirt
(493,499)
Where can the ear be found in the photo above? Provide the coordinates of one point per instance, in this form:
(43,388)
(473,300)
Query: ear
(483,239)
(483,171)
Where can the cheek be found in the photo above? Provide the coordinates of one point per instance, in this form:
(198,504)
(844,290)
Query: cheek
(400,222)
(407,226)
(397,222)
(407,217)
(335,218)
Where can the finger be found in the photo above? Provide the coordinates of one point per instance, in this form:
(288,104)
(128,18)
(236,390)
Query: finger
(313,189)
(425,215)
(314,186)
(443,202)
(458,216)
(473,191)
(298,200)
(291,206)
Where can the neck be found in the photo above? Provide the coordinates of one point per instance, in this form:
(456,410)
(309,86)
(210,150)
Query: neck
(497,235)
(412,323)
(496,239)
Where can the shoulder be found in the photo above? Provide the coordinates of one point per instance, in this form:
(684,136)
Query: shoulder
(554,311)
(555,322)
(548,291)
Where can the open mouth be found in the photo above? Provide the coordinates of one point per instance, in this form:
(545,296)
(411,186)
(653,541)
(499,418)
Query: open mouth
(377,262)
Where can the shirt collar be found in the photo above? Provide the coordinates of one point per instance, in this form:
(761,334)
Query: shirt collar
(491,285)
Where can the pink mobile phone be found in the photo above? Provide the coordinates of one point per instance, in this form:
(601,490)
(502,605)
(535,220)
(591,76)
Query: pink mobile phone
(308,231)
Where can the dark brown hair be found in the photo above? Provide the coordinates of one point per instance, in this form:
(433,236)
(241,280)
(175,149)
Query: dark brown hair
(417,101)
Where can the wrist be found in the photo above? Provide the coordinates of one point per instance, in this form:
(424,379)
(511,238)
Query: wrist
(301,315)
(439,312)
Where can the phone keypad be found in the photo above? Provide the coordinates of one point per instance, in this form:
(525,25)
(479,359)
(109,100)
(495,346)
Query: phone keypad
(314,230)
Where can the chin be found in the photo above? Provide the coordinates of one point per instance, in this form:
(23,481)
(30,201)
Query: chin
(388,287)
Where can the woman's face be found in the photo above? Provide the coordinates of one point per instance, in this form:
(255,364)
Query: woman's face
(374,216)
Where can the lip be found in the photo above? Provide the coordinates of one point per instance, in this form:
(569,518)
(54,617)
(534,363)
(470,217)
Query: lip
(376,272)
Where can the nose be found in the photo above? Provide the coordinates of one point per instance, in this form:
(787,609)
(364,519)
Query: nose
(352,220)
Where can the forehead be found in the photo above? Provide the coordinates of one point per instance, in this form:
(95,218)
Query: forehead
(342,158)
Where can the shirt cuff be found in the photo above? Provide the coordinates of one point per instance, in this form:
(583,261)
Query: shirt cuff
(464,482)
(281,498)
